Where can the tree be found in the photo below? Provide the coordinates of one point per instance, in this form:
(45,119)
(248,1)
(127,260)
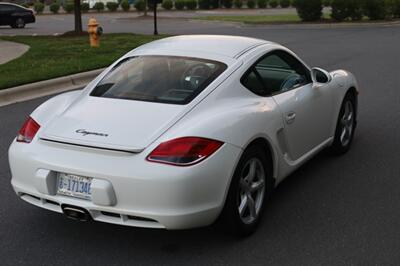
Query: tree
(78,16)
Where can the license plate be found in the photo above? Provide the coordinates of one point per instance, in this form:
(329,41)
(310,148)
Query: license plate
(74,186)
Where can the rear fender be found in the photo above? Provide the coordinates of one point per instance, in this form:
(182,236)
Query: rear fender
(55,106)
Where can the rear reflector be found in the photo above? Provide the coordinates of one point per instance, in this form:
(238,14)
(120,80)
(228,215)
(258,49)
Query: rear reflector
(28,131)
(184,151)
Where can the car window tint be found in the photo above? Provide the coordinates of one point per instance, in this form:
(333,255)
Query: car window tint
(280,72)
(273,61)
(253,83)
(7,8)
(164,79)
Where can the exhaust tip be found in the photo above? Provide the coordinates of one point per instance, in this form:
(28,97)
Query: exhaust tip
(76,213)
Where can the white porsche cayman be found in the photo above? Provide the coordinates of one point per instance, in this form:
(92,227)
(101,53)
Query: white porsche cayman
(181,131)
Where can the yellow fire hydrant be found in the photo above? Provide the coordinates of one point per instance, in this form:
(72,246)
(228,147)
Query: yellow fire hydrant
(94,31)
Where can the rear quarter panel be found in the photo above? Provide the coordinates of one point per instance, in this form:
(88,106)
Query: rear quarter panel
(234,115)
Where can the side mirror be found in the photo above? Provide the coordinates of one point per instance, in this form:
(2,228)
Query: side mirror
(320,76)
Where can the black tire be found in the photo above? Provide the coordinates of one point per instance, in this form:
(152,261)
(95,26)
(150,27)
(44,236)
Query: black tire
(19,23)
(340,146)
(230,218)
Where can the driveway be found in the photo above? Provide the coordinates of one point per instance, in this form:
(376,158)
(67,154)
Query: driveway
(332,211)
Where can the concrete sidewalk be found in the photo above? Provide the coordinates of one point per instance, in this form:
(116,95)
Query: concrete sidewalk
(11,50)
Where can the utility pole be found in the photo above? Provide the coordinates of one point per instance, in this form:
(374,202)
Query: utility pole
(155,16)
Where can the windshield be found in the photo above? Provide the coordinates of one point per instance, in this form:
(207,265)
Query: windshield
(164,79)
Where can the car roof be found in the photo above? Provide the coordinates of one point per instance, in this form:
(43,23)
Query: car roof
(225,45)
(12,4)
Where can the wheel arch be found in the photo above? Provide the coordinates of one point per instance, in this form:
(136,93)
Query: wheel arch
(262,141)
(354,92)
(266,144)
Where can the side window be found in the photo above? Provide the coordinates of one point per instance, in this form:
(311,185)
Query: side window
(7,8)
(273,61)
(280,72)
(253,83)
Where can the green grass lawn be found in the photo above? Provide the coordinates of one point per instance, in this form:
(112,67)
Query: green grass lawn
(260,19)
(257,19)
(57,56)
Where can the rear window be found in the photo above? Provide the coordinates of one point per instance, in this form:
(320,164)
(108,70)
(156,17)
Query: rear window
(163,79)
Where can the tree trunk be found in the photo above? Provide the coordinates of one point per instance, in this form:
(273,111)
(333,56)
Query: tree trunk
(78,16)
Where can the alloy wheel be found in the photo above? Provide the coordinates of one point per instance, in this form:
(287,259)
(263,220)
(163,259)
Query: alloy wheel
(20,23)
(251,190)
(347,123)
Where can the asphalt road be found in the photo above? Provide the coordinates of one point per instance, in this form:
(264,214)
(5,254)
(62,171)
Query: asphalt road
(332,211)
(169,22)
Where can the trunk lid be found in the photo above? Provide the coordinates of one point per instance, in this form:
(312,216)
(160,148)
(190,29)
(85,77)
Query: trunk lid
(113,124)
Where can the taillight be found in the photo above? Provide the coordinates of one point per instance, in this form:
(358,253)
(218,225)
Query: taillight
(184,151)
(28,131)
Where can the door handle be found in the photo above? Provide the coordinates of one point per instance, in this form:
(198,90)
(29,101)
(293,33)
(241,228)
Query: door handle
(290,117)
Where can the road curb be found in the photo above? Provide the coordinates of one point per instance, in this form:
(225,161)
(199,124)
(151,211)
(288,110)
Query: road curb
(46,87)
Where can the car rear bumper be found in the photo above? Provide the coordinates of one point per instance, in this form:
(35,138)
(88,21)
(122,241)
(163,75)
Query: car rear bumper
(146,194)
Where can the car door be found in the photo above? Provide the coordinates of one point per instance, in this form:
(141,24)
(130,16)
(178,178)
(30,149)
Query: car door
(2,14)
(5,14)
(306,110)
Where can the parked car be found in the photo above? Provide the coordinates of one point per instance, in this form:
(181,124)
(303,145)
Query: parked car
(181,131)
(15,16)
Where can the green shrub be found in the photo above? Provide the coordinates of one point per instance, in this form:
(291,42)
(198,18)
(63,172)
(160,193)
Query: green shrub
(238,3)
(140,5)
(55,7)
(179,4)
(214,4)
(273,3)
(68,6)
(251,3)
(284,3)
(85,7)
(149,5)
(308,10)
(262,3)
(191,4)
(125,5)
(112,6)
(98,6)
(392,8)
(167,4)
(374,9)
(346,9)
(227,3)
(339,10)
(327,2)
(204,4)
(397,9)
(354,9)
(38,7)
(26,5)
